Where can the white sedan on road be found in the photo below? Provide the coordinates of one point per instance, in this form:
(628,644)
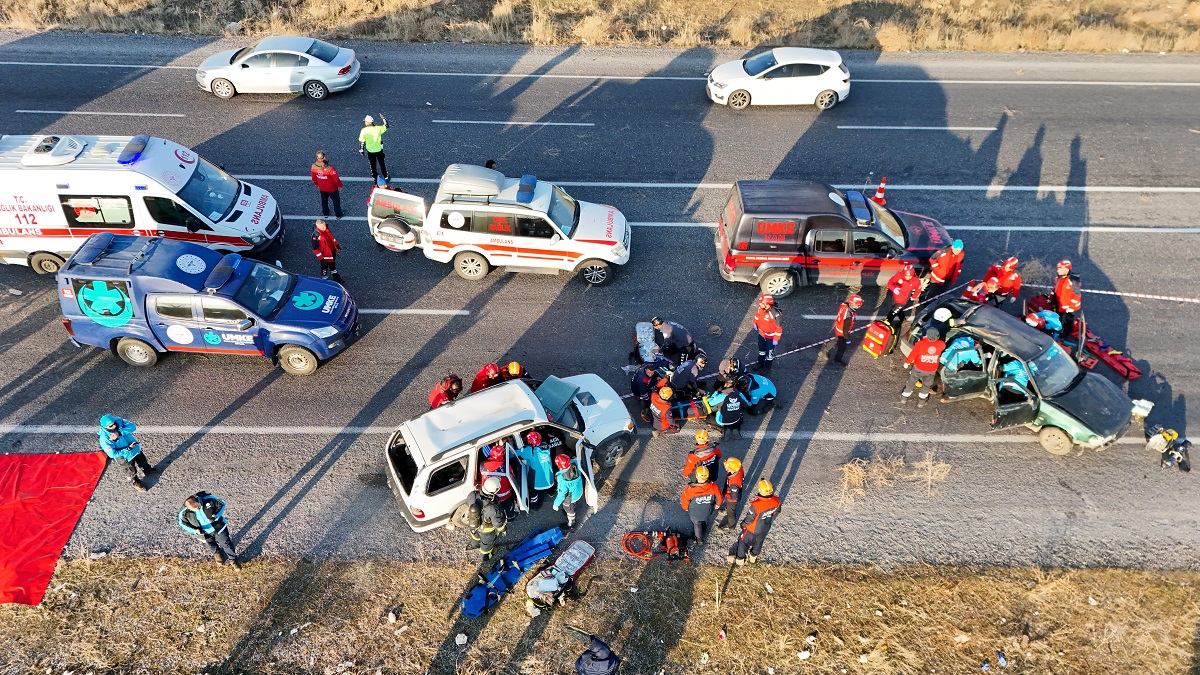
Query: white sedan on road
(782,76)
(278,65)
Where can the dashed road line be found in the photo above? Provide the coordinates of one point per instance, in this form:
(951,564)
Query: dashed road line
(97,112)
(432,312)
(889,128)
(513,123)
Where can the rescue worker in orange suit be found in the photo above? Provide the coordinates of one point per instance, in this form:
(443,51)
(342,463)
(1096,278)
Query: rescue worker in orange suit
(1007,278)
(660,411)
(944,267)
(493,465)
(700,499)
(766,323)
(705,454)
(923,361)
(986,292)
(641,383)
(904,288)
(513,371)
(727,516)
(1067,300)
(843,323)
(673,340)
(445,391)
(487,376)
(764,508)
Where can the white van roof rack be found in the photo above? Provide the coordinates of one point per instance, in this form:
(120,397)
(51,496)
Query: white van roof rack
(53,151)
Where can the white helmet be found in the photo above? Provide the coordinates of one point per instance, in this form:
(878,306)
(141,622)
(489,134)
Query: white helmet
(941,314)
(491,486)
(368,120)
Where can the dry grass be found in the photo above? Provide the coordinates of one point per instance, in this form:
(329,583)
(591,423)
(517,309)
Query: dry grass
(280,616)
(861,475)
(988,25)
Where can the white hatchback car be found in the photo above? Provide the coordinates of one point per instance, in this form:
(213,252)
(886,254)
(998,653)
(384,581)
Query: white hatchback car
(278,65)
(782,76)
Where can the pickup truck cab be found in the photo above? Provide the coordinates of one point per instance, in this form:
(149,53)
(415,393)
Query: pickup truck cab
(781,234)
(142,296)
(433,461)
(480,219)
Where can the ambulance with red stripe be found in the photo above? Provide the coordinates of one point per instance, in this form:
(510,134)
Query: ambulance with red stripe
(481,219)
(57,190)
(781,234)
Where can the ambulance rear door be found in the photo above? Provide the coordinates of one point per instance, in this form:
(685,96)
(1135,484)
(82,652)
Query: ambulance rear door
(396,219)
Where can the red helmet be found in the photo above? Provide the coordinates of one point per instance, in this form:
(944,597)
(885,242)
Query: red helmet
(1010,264)
(991,281)
(562,462)
(497,452)
(766,299)
(491,370)
(533,438)
(1064,263)
(908,268)
(855,301)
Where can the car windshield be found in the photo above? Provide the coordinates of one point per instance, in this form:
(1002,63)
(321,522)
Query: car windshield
(265,290)
(888,224)
(1053,371)
(240,53)
(564,210)
(210,191)
(757,64)
(323,50)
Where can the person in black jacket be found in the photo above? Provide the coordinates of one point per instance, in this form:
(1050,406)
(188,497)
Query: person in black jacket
(598,658)
(203,516)
(641,383)
(686,378)
(673,340)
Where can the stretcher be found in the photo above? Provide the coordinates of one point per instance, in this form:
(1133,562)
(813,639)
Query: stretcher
(1094,348)
(507,571)
(554,580)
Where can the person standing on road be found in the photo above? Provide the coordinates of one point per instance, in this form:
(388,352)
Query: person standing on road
(727,515)
(923,361)
(370,143)
(491,520)
(1007,277)
(764,508)
(535,454)
(328,183)
(1067,300)
(700,499)
(730,405)
(944,267)
(203,517)
(569,485)
(117,441)
(766,323)
(673,340)
(904,288)
(325,246)
(705,454)
(445,391)
(843,323)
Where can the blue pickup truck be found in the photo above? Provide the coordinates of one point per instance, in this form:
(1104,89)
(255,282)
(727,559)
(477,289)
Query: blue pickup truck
(142,296)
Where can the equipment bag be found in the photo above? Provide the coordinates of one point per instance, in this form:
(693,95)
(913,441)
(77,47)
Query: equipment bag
(880,338)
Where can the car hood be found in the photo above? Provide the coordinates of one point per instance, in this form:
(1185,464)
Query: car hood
(598,403)
(1098,403)
(314,303)
(924,233)
(252,214)
(600,224)
(728,72)
(218,60)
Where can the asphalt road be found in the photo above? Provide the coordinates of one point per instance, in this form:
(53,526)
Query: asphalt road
(1074,169)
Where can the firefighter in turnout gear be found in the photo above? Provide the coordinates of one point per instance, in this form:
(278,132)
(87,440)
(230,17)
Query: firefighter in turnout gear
(487,518)
(700,499)
(843,324)
(705,454)
(766,324)
(727,515)
(763,509)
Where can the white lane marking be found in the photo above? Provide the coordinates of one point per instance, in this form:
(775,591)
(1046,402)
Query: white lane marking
(96,112)
(137,66)
(66,429)
(517,124)
(1085,83)
(539,76)
(887,128)
(1147,296)
(435,312)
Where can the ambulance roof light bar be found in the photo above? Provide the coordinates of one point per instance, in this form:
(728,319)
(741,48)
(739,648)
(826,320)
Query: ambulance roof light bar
(133,149)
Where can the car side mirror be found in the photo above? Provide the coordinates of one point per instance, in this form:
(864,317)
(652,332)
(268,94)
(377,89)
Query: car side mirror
(245,324)
(555,239)
(245,65)
(192,226)
(891,253)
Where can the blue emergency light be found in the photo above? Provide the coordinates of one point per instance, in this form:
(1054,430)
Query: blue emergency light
(525,189)
(133,149)
(222,272)
(858,206)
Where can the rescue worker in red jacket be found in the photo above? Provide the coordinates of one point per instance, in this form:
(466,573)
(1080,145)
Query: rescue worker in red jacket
(1067,299)
(944,267)
(660,411)
(1007,277)
(513,371)
(445,391)
(705,454)
(727,516)
(493,465)
(326,248)
(766,322)
(700,499)
(487,376)
(904,288)
(923,361)
(843,323)
(764,508)
(328,183)
(986,291)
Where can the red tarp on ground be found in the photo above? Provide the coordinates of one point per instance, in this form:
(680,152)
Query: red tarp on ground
(41,500)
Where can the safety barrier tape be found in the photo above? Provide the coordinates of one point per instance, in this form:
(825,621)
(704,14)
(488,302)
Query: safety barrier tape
(1146,296)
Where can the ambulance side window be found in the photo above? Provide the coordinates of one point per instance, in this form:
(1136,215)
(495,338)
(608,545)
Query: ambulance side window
(494,223)
(98,212)
(170,212)
(217,310)
(532,226)
(448,476)
(174,306)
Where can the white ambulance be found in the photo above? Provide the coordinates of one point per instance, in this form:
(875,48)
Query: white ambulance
(56,191)
(480,219)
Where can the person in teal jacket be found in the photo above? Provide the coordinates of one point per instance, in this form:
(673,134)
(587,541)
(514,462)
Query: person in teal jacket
(569,483)
(117,441)
(535,454)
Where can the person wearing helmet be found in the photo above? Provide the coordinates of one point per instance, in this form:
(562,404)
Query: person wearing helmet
(766,324)
(1046,321)
(370,143)
(487,376)
(944,266)
(513,371)
(729,405)
(117,441)
(700,499)
(568,485)
(1008,279)
(493,465)
(492,520)
(663,419)
(685,381)
(643,381)
(727,373)
(985,292)
(1066,297)
(1172,451)
(535,455)
(732,492)
(445,391)
(923,361)
(843,324)
(673,340)
(705,454)
(903,288)
(763,509)
(942,319)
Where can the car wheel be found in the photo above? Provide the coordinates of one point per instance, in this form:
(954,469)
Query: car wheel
(739,100)
(826,99)
(1055,441)
(136,353)
(595,273)
(45,263)
(298,360)
(459,518)
(779,283)
(222,88)
(471,265)
(315,90)
(608,454)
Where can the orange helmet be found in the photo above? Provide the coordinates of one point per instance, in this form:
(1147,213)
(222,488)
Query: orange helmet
(514,368)
(765,488)
(732,465)
(665,393)
(702,437)
(702,474)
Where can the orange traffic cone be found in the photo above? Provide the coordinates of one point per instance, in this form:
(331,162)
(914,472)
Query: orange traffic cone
(878,198)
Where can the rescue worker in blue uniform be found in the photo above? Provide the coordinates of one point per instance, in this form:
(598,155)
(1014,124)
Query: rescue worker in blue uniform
(535,454)
(569,484)
(117,441)
(203,517)
(685,381)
